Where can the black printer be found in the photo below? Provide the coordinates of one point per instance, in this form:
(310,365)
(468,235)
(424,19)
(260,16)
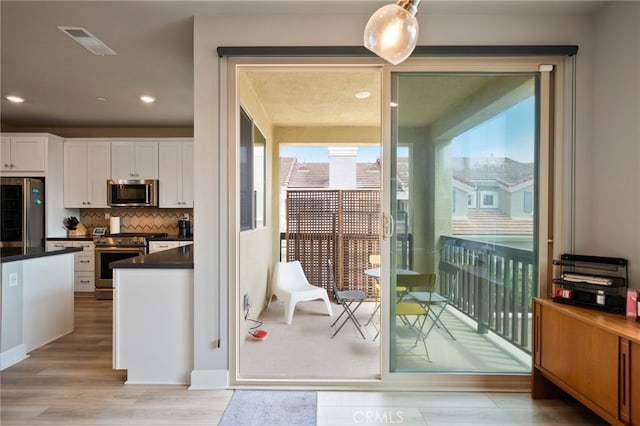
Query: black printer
(593,281)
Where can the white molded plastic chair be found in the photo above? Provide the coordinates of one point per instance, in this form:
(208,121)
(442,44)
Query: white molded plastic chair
(291,286)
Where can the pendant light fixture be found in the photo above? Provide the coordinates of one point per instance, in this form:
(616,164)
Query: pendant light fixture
(392,31)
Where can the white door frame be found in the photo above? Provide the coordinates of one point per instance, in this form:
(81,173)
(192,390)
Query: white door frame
(552,182)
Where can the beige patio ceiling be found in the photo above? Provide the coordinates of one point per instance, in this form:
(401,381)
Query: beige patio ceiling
(327,98)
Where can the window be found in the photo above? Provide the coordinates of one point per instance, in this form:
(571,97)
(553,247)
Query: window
(471,200)
(252,174)
(528,202)
(488,199)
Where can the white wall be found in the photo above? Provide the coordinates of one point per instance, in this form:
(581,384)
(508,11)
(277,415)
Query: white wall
(212,244)
(615,174)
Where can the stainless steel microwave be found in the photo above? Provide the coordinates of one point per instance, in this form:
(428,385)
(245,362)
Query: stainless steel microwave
(132,193)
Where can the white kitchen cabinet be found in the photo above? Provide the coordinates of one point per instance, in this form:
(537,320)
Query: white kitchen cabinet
(84,263)
(176,174)
(134,160)
(152,315)
(39,155)
(47,310)
(155,246)
(23,153)
(87,167)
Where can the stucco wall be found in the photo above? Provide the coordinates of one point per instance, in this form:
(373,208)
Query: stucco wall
(256,246)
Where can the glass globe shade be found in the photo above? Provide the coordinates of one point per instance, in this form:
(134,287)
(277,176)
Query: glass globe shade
(391,33)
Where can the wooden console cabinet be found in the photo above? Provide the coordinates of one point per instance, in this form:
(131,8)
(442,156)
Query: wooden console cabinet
(591,355)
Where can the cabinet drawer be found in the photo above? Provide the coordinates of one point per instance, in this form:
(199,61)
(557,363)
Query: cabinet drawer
(84,281)
(156,246)
(85,245)
(84,262)
(59,244)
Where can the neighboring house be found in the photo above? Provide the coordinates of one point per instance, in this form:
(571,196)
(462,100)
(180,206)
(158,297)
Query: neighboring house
(492,196)
(495,183)
(298,175)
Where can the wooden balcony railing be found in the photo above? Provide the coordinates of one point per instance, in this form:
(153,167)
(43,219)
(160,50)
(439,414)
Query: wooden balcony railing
(494,286)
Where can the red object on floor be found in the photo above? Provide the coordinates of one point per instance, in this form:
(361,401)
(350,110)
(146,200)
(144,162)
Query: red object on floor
(258,334)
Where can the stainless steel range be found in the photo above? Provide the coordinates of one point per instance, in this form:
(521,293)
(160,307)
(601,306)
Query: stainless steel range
(116,247)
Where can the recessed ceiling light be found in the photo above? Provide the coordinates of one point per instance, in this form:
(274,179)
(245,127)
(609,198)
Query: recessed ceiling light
(147,99)
(363,94)
(14,99)
(393,104)
(101,98)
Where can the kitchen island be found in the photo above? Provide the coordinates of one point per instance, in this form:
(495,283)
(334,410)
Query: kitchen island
(153,317)
(36,299)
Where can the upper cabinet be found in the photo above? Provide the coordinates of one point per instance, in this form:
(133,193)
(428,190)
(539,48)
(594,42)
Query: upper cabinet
(134,160)
(23,153)
(38,155)
(176,173)
(90,162)
(87,167)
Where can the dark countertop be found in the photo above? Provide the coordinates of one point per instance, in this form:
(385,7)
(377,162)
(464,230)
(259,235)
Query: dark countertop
(90,238)
(12,254)
(176,258)
(78,238)
(173,238)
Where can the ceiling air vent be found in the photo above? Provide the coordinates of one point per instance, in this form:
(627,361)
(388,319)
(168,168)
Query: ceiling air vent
(88,40)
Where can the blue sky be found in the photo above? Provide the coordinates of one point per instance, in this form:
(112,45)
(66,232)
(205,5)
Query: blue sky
(320,154)
(509,134)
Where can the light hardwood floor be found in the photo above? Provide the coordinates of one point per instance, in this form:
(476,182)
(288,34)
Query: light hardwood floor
(71,382)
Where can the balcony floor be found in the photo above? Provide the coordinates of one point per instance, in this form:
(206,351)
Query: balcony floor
(305,350)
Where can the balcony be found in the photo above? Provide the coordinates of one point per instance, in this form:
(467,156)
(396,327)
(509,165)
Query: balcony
(489,311)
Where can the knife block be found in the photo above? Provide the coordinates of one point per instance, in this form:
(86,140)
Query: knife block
(80,230)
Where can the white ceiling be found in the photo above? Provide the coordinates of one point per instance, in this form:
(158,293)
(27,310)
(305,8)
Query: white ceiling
(61,81)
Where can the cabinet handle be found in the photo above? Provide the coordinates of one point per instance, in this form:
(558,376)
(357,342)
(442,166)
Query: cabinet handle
(84,261)
(89,203)
(85,281)
(6,165)
(12,165)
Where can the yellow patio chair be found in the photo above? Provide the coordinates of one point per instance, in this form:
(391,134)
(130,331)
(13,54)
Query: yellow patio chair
(374,262)
(407,309)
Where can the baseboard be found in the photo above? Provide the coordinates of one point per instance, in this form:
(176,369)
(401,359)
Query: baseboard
(13,356)
(209,379)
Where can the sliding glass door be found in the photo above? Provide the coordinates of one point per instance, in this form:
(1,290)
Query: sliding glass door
(466,185)
(464,201)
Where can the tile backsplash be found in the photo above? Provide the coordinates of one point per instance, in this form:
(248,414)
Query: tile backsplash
(137,220)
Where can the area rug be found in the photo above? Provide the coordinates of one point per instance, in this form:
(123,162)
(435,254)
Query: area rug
(270,408)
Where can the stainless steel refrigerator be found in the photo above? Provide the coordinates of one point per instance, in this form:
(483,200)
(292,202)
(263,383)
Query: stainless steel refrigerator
(22,212)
